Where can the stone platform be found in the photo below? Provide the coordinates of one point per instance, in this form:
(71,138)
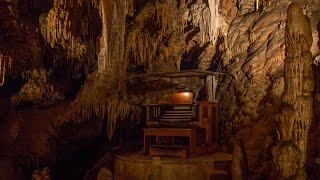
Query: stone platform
(139,167)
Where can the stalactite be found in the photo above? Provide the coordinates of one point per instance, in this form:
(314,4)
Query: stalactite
(103,94)
(214,20)
(162,12)
(143,47)
(62,28)
(145,43)
(199,16)
(58,32)
(206,18)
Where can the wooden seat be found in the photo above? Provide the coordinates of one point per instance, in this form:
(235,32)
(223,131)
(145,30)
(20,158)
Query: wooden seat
(170,148)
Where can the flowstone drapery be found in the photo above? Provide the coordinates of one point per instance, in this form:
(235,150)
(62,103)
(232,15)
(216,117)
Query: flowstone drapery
(76,38)
(103,94)
(175,27)
(295,116)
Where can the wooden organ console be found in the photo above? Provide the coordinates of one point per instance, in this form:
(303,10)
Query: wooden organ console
(181,130)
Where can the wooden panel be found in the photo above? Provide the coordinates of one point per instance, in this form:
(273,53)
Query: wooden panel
(182,153)
(168,131)
(214,123)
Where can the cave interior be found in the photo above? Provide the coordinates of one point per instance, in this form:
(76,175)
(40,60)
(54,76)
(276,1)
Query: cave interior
(84,84)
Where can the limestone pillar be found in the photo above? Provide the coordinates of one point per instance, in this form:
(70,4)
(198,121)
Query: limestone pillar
(295,116)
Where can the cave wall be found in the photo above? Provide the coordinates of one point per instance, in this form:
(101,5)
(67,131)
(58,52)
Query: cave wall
(250,92)
(238,38)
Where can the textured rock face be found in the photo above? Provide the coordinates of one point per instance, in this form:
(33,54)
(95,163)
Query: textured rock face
(105,174)
(239,161)
(255,62)
(250,92)
(287,157)
(38,90)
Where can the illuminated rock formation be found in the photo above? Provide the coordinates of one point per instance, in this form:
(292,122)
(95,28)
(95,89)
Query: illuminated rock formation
(76,39)
(99,42)
(296,113)
(38,90)
(103,93)
(44,174)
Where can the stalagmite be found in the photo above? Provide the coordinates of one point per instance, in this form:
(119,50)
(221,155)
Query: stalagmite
(296,114)
(211,84)
(5,67)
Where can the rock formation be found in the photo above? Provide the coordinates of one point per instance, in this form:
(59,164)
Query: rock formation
(44,174)
(38,90)
(115,39)
(105,174)
(296,112)
(103,94)
(250,92)
(239,161)
(72,40)
(287,158)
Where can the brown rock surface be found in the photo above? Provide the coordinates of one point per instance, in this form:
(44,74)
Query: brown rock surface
(250,92)
(253,82)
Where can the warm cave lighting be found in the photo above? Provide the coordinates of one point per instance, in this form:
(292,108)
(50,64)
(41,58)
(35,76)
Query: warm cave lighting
(182,98)
(186,94)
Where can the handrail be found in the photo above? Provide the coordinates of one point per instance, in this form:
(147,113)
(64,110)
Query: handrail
(178,74)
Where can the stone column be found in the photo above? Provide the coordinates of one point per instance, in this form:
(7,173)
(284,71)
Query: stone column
(295,116)
(211,84)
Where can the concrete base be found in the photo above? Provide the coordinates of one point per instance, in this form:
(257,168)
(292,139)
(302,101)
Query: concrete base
(139,167)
